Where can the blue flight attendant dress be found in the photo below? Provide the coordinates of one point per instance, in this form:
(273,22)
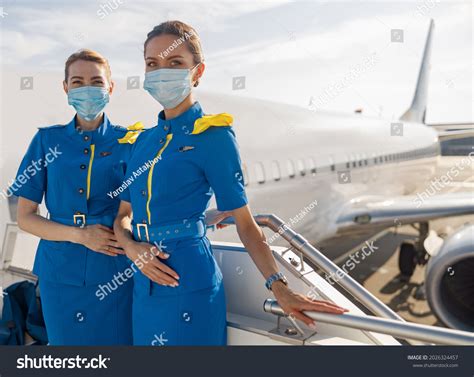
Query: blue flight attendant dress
(174,170)
(84,300)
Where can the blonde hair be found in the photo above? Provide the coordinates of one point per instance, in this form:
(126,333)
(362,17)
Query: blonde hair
(90,56)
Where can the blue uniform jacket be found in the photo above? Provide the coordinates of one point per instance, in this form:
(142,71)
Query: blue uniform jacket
(174,170)
(77,172)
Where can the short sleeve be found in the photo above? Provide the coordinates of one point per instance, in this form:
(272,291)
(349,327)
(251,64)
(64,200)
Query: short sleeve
(30,180)
(223,170)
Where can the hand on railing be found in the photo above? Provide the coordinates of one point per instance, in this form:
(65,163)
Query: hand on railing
(214,217)
(294,304)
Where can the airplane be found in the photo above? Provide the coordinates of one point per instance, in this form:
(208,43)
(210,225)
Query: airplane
(364,173)
(329,174)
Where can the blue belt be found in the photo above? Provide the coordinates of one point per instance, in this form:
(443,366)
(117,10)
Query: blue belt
(83,220)
(187,229)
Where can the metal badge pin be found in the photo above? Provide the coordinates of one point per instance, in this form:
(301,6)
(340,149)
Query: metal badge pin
(186,148)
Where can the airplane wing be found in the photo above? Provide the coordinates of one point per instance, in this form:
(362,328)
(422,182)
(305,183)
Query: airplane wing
(401,210)
(450,131)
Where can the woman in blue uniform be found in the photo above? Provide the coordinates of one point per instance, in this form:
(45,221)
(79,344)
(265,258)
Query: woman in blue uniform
(85,298)
(174,170)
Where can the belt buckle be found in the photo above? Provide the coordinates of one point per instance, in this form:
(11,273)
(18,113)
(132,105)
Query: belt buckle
(80,217)
(145,226)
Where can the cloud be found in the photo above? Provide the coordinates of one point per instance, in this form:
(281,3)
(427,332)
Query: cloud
(288,51)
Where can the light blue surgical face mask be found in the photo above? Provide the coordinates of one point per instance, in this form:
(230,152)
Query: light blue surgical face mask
(168,86)
(89,101)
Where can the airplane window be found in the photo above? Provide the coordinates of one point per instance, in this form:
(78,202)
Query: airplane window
(301,168)
(291,168)
(331,164)
(276,170)
(360,162)
(366,162)
(348,165)
(260,170)
(311,165)
(375,160)
(352,161)
(381,159)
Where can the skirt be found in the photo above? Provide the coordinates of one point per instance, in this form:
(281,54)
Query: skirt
(194,313)
(196,318)
(84,315)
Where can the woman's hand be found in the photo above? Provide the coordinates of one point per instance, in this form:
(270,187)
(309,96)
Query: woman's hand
(100,239)
(294,304)
(144,256)
(214,216)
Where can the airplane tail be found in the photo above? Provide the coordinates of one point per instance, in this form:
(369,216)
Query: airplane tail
(417,110)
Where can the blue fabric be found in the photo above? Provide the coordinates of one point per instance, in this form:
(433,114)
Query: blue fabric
(190,170)
(184,182)
(194,312)
(192,259)
(197,318)
(21,313)
(189,229)
(56,166)
(78,316)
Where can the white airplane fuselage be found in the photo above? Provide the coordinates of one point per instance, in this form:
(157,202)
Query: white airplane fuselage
(309,151)
(293,157)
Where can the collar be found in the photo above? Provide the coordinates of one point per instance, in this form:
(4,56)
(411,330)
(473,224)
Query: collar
(95,136)
(183,123)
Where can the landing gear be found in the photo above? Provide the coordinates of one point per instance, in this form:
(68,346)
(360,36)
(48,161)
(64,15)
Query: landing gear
(413,254)
(407,259)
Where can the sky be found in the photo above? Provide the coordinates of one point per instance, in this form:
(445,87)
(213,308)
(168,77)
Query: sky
(290,52)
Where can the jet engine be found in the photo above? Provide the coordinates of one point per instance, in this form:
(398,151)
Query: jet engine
(450,280)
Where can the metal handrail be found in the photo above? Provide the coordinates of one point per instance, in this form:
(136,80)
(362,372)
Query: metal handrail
(425,333)
(300,243)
